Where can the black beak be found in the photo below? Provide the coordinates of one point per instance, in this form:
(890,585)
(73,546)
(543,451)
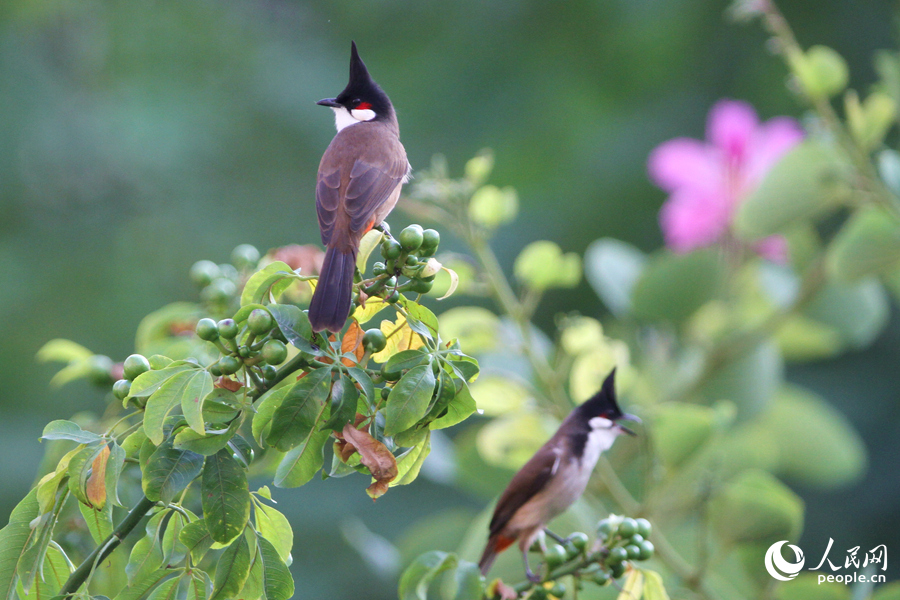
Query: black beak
(627,417)
(329,102)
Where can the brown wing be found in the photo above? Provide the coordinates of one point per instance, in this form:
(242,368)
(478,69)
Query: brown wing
(370,186)
(328,198)
(530,480)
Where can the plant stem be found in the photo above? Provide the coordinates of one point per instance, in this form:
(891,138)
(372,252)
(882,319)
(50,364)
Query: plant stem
(80,575)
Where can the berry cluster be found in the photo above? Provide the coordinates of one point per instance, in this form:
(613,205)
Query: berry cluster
(408,255)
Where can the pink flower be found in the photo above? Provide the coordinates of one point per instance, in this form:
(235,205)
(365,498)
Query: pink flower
(707,181)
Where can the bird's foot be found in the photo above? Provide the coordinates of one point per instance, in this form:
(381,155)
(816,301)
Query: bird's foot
(559,539)
(532,576)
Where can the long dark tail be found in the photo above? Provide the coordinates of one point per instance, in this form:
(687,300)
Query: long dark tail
(330,303)
(489,555)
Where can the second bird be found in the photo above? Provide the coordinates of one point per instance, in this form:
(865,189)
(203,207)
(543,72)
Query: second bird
(358,184)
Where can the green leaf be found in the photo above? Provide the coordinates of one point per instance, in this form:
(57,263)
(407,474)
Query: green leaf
(253,586)
(67,430)
(133,443)
(476,328)
(821,71)
(200,587)
(365,382)
(653,586)
(749,381)
(265,408)
(272,279)
(491,206)
(182,388)
(277,580)
(467,582)
(148,382)
(114,466)
(192,401)
(167,590)
(232,570)
(303,461)
(420,319)
(65,351)
(220,407)
(297,415)
(275,527)
(54,573)
(804,428)
(542,265)
(14,540)
(458,410)
(80,470)
(173,548)
(803,184)
(418,576)
(212,442)
(410,462)
(613,267)
(225,496)
(673,286)
(344,398)
(867,244)
(294,324)
(679,430)
(141,586)
(168,471)
(857,311)
(99,522)
(196,539)
(409,399)
(756,507)
(146,558)
(406,359)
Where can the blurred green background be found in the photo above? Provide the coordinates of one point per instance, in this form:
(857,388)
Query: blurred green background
(139,137)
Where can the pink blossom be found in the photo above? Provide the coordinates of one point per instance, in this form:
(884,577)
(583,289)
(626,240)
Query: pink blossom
(707,181)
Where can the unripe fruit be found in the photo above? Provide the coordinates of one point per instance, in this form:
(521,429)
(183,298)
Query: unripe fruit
(628,527)
(121,389)
(269,373)
(207,330)
(617,570)
(385,392)
(617,555)
(393,297)
(643,527)
(647,550)
(605,528)
(571,550)
(430,239)
(555,555)
(219,291)
(411,238)
(389,375)
(374,340)
(633,551)
(229,364)
(390,282)
(203,272)
(412,261)
(244,352)
(378,268)
(579,540)
(422,287)
(228,329)
(558,589)
(134,365)
(601,577)
(245,256)
(390,249)
(636,539)
(260,321)
(214,370)
(99,369)
(274,352)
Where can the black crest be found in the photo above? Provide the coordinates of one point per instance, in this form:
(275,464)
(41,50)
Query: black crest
(603,403)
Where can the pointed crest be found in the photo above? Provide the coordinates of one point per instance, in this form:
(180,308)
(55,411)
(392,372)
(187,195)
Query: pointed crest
(604,403)
(358,71)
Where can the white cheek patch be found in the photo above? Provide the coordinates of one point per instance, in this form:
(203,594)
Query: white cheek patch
(363,115)
(342,117)
(600,423)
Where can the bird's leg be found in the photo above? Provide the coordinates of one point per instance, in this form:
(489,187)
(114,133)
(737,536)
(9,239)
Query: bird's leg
(532,577)
(558,538)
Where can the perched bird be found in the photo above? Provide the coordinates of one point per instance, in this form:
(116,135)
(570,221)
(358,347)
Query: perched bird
(358,184)
(555,476)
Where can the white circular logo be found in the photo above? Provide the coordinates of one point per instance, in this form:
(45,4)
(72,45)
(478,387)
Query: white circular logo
(776,565)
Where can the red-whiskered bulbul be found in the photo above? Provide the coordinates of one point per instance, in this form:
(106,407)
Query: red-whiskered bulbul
(358,184)
(555,476)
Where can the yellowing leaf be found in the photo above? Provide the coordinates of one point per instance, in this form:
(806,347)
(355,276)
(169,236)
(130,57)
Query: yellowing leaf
(366,245)
(96,483)
(634,586)
(399,337)
(374,305)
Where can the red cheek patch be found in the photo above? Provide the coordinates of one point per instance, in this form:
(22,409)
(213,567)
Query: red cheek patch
(363,106)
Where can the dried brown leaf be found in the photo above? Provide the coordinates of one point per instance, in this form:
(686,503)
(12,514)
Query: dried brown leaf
(374,455)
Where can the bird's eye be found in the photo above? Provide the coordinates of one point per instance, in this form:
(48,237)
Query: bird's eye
(357,101)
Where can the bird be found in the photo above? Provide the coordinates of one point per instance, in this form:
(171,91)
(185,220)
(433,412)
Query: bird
(358,184)
(556,476)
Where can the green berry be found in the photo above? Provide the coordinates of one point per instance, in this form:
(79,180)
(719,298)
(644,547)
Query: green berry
(274,352)
(244,352)
(388,375)
(627,528)
(636,539)
(617,570)
(378,269)
(430,239)
(538,593)
(411,238)
(214,370)
(228,329)
(601,577)
(558,590)
(207,330)
(633,551)
(392,297)
(421,287)
(229,364)
(605,528)
(203,272)
(260,321)
(412,261)
(390,249)
(121,389)
(385,392)
(643,527)
(99,367)
(269,373)
(555,555)
(579,540)
(647,550)
(134,365)
(617,555)
(571,550)
(390,282)
(374,340)
(245,256)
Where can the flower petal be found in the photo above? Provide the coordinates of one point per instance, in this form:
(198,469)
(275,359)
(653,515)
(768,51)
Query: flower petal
(773,140)
(693,219)
(731,126)
(773,248)
(684,163)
